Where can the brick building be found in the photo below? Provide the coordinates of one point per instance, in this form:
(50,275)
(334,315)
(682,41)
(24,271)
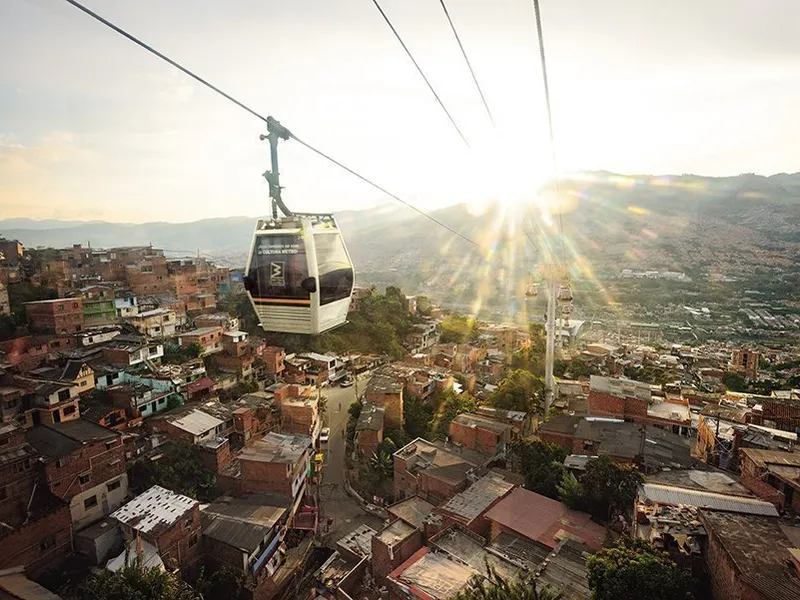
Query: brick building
(247,535)
(772,475)
(432,472)
(369,429)
(392,546)
(384,389)
(749,557)
(168,521)
(512,515)
(745,361)
(209,339)
(37,525)
(60,316)
(468,508)
(560,430)
(84,465)
(55,403)
(480,433)
(273,357)
(277,464)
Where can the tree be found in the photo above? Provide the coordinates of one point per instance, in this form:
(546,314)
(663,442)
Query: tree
(734,381)
(451,404)
(634,570)
(571,492)
(222,584)
(136,582)
(381,464)
(496,587)
(541,464)
(194,350)
(610,488)
(417,416)
(179,470)
(457,329)
(397,436)
(521,391)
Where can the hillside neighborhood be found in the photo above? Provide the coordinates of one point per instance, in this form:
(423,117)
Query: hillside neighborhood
(146,420)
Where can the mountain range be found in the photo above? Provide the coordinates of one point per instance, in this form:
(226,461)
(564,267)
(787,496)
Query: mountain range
(685,223)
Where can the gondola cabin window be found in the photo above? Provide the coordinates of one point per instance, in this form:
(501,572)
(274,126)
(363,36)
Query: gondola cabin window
(280,267)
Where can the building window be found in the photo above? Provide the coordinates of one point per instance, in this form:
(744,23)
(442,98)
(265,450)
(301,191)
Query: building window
(192,540)
(74,305)
(114,485)
(55,344)
(90,502)
(68,410)
(84,479)
(83,383)
(63,395)
(60,462)
(61,307)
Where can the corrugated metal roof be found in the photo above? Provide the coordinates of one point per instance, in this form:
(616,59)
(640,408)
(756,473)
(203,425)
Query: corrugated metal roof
(666,494)
(156,509)
(470,503)
(197,422)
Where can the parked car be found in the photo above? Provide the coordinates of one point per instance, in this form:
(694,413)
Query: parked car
(324,435)
(347,382)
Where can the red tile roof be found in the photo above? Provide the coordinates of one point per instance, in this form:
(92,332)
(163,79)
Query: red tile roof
(543,519)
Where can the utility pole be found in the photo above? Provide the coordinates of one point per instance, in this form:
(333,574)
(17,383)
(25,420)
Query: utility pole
(550,330)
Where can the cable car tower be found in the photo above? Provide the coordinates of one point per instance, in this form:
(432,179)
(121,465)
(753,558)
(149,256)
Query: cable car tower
(299,274)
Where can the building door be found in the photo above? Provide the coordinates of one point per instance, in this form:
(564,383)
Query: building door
(105,506)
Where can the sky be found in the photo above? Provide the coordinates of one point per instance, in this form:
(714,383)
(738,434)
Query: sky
(93,127)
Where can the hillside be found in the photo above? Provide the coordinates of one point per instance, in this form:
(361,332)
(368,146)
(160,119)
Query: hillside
(688,223)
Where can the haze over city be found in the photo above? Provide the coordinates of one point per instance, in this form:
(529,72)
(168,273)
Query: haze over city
(92,127)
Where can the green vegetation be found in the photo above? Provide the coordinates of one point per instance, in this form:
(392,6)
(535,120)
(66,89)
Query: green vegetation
(222,584)
(136,582)
(521,391)
(20,293)
(651,374)
(734,381)
(179,470)
(541,464)
(605,490)
(496,587)
(457,329)
(634,570)
(417,416)
(450,405)
(238,390)
(176,355)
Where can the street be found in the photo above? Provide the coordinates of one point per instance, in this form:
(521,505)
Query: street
(336,504)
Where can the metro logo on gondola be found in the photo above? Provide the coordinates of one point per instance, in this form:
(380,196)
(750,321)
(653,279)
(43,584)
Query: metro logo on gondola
(276,273)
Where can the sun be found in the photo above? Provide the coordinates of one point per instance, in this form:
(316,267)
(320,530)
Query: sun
(509,172)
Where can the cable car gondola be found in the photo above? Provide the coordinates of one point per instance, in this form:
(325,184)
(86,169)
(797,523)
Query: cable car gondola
(299,274)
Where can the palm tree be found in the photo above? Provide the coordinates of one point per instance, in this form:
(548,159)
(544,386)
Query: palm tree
(496,587)
(382,464)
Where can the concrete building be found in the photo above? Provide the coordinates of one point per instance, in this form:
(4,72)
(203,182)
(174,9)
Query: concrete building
(84,465)
(55,403)
(56,317)
(168,521)
(392,546)
(273,357)
(158,323)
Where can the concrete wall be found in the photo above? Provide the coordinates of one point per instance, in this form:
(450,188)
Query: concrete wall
(108,501)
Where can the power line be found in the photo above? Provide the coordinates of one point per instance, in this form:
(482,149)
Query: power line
(466,60)
(227,96)
(543,60)
(419,70)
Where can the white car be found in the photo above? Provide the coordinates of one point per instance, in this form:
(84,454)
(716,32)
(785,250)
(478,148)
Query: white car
(324,435)
(346,383)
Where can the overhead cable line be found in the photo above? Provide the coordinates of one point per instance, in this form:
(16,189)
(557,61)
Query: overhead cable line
(466,60)
(227,96)
(543,60)
(419,70)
